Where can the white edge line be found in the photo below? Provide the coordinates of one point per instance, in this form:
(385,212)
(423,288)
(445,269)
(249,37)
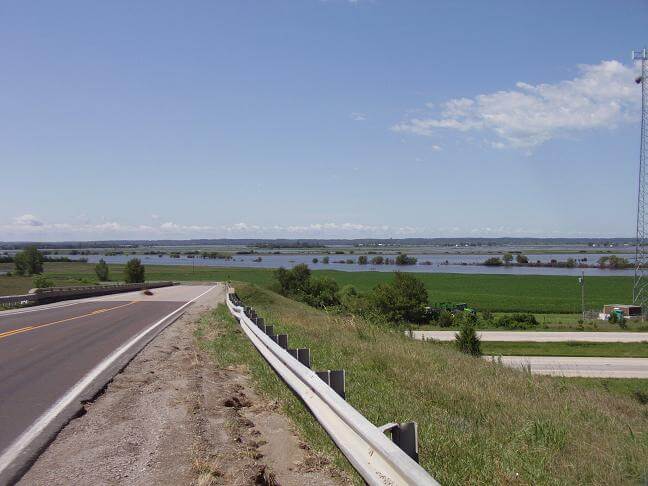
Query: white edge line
(25,439)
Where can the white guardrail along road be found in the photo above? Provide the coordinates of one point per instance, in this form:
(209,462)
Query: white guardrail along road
(376,458)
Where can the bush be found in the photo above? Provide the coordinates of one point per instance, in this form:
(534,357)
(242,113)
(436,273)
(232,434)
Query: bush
(508,258)
(377,260)
(465,318)
(493,261)
(521,259)
(517,321)
(297,283)
(467,340)
(321,292)
(29,261)
(315,260)
(102,271)
(445,319)
(402,300)
(325,260)
(362,260)
(134,271)
(293,281)
(353,301)
(42,282)
(403,259)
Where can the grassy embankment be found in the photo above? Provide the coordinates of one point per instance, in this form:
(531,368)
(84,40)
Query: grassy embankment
(497,293)
(479,422)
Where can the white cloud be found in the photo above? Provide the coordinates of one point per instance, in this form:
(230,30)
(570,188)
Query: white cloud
(27,220)
(17,230)
(436,148)
(358,116)
(601,96)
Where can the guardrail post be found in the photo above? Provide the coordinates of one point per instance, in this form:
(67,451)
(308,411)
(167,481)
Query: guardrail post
(325,376)
(283,340)
(337,380)
(269,330)
(292,352)
(303,355)
(405,436)
(259,322)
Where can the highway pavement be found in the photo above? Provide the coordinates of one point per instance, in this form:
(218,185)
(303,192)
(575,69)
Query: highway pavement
(53,357)
(541,336)
(579,366)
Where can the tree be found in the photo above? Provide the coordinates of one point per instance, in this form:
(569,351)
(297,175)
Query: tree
(377,260)
(493,261)
(101,269)
(403,299)
(362,260)
(508,258)
(467,340)
(29,261)
(403,259)
(295,280)
(325,260)
(134,271)
(322,292)
(315,260)
(521,259)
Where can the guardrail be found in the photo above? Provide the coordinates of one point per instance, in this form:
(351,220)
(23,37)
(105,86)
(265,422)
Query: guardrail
(54,294)
(379,460)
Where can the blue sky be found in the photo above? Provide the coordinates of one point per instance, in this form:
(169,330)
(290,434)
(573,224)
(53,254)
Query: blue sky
(316,118)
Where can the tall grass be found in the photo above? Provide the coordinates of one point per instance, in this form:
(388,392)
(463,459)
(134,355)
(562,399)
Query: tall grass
(479,422)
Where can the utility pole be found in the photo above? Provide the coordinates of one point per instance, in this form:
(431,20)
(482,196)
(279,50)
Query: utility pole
(581,281)
(640,287)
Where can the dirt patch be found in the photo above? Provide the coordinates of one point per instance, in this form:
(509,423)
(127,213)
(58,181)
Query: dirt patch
(171,417)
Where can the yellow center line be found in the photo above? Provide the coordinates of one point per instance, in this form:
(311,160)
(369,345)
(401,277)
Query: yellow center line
(38,326)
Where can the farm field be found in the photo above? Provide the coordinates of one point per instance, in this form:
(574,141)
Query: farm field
(496,293)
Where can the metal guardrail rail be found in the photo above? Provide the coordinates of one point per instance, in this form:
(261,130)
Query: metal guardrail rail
(376,458)
(53,294)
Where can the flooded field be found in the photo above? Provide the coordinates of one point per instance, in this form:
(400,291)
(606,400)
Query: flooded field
(428,263)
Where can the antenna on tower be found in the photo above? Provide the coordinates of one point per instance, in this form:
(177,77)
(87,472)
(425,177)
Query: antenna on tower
(640,288)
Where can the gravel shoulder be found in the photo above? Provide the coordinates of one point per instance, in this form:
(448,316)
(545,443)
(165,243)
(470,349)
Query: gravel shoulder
(172,417)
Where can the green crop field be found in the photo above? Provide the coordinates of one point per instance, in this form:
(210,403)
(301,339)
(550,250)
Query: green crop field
(502,293)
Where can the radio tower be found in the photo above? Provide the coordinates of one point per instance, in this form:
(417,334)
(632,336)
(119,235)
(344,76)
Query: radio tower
(640,288)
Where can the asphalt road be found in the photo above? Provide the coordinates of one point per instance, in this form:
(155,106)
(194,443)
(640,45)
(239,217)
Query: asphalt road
(540,336)
(573,366)
(46,352)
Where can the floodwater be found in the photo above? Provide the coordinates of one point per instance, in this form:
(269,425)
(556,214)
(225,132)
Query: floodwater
(464,263)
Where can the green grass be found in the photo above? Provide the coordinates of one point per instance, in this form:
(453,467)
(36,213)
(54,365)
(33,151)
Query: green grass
(571,348)
(636,389)
(555,322)
(498,293)
(479,422)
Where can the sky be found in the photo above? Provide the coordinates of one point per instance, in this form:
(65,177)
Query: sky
(316,119)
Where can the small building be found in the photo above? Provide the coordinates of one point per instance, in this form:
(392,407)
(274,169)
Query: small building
(627,309)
